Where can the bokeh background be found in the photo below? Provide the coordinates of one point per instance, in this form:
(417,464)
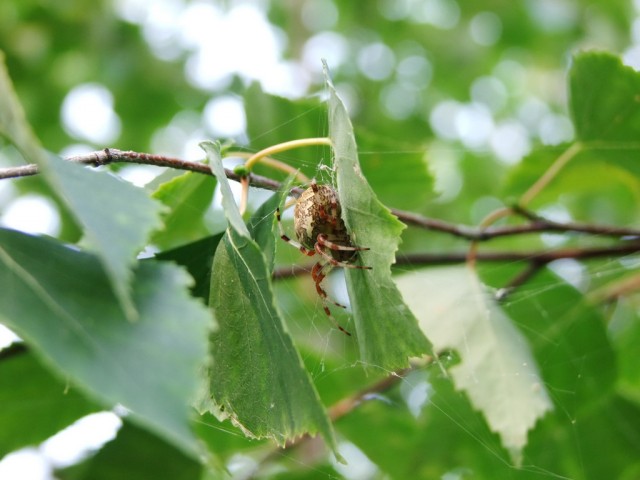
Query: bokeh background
(462,83)
(458,80)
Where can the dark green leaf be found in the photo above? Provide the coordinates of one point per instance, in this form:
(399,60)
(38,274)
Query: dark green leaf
(262,227)
(568,339)
(116,238)
(388,333)
(188,197)
(605,99)
(396,172)
(60,301)
(257,375)
(136,454)
(35,404)
(197,258)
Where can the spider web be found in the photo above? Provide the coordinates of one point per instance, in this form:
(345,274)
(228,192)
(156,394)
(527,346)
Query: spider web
(424,403)
(329,355)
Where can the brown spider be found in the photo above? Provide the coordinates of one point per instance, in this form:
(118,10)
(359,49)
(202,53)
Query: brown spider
(320,229)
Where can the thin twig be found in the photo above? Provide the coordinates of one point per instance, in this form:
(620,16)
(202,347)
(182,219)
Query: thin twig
(348,404)
(537,225)
(486,223)
(523,277)
(335,412)
(112,155)
(16,172)
(541,257)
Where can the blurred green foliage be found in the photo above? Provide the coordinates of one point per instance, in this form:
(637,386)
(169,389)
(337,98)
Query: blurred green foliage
(435,90)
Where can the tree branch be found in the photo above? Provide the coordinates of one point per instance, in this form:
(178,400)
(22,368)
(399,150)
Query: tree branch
(537,224)
(335,412)
(538,258)
(112,155)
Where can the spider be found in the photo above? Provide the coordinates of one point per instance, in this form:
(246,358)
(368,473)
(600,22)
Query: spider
(320,229)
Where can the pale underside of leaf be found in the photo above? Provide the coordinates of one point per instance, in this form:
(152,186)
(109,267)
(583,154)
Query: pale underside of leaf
(497,369)
(388,333)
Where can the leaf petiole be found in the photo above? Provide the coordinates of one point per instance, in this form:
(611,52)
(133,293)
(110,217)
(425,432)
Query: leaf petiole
(283,147)
(550,174)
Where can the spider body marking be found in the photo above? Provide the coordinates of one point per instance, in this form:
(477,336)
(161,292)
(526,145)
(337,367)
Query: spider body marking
(320,229)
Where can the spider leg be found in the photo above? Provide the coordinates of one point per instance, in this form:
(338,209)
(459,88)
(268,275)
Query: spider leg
(285,237)
(323,242)
(318,267)
(319,272)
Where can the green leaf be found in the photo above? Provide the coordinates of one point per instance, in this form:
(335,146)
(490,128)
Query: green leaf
(119,235)
(231,211)
(136,454)
(60,301)
(568,337)
(625,336)
(605,107)
(387,331)
(188,197)
(396,172)
(14,126)
(605,99)
(272,119)
(262,227)
(13,123)
(446,437)
(116,237)
(35,404)
(257,376)
(497,369)
(197,258)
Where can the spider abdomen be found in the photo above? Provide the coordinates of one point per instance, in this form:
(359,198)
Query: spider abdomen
(317,212)
(320,229)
